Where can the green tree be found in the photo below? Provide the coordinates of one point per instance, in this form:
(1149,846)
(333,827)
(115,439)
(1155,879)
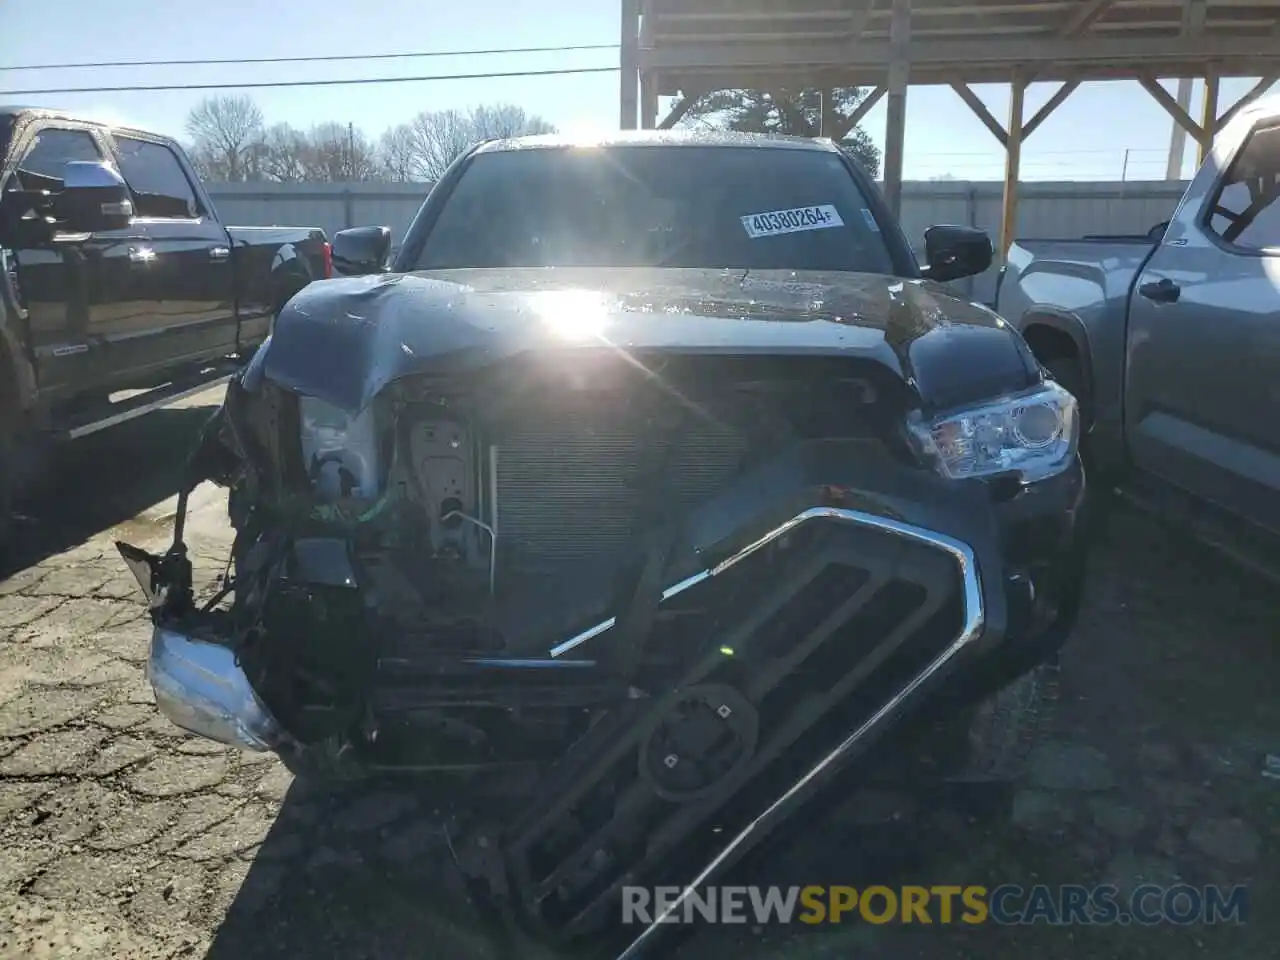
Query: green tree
(792,112)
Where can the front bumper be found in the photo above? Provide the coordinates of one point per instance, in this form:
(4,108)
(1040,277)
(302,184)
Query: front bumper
(1006,554)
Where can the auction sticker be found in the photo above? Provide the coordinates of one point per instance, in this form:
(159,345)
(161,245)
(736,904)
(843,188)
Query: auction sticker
(796,220)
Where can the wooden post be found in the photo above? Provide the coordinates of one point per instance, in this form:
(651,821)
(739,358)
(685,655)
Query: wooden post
(1012,162)
(896,120)
(629,62)
(827,121)
(648,100)
(1178,138)
(1208,114)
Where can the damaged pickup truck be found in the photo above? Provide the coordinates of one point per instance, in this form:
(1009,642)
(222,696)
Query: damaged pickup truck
(653,484)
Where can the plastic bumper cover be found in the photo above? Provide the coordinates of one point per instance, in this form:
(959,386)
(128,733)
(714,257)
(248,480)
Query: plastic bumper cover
(200,687)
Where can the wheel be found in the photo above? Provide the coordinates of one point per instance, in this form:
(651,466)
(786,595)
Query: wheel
(1006,727)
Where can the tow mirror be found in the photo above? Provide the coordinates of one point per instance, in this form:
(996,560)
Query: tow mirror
(953,252)
(94,198)
(361,250)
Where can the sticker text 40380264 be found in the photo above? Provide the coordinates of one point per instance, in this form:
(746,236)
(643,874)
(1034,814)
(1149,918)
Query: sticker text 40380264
(818,217)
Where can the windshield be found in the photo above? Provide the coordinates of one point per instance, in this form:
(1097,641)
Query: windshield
(657,206)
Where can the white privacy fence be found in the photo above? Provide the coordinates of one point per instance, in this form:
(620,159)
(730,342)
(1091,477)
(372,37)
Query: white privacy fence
(1044,209)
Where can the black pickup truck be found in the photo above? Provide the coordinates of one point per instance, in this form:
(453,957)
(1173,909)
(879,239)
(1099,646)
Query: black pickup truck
(117,276)
(650,485)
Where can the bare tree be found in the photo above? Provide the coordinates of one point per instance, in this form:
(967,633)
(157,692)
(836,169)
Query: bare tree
(229,143)
(397,158)
(506,120)
(284,154)
(439,138)
(339,152)
(224,131)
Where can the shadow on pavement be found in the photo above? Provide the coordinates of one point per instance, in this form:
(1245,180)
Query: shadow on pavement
(365,874)
(369,874)
(102,481)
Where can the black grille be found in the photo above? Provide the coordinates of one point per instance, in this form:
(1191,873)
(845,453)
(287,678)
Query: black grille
(571,473)
(818,650)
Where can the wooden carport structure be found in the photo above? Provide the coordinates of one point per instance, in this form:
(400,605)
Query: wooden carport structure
(685,48)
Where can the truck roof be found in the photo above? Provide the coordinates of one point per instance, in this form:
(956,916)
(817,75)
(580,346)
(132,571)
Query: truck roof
(659,138)
(11,112)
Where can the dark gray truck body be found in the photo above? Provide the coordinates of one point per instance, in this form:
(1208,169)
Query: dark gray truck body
(1176,343)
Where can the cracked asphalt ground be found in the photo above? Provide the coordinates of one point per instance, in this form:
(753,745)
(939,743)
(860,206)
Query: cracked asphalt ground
(122,836)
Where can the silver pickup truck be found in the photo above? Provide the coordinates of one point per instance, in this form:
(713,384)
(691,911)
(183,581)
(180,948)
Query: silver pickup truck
(1172,341)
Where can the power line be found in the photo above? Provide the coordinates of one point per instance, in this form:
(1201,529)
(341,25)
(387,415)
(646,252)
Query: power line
(310,83)
(315,59)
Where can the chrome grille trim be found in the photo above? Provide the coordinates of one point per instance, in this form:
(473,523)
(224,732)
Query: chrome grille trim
(962,553)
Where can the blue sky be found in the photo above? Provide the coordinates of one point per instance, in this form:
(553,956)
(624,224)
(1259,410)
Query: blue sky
(1087,138)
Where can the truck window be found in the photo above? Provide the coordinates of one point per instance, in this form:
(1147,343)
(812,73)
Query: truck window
(755,208)
(1246,210)
(159,184)
(52,150)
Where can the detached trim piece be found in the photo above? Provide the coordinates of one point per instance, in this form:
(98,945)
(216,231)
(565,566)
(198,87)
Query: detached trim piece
(829,765)
(201,688)
(974,613)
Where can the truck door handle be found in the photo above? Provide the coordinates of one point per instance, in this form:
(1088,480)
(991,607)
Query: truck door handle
(1161,291)
(219,253)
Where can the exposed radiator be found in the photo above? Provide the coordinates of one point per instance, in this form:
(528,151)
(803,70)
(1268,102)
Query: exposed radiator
(569,473)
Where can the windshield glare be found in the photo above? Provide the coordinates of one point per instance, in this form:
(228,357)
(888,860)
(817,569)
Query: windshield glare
(657,206)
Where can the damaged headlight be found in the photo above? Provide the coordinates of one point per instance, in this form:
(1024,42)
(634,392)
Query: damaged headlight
(1033,434)
(340,451)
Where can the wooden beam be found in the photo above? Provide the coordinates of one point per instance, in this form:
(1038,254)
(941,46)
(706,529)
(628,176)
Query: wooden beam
(861,110)
(1012,164)
(629,62)
(1208,114)
(1162,97)
(1052,104)
(896,116)
(1000,53)
(980,110)
(1259,89)
(1194,15)
(679,109)
(1087,13)
(858,17)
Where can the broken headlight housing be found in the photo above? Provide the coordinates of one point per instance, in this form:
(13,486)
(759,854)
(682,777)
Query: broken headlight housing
(1032,434)
(339,451)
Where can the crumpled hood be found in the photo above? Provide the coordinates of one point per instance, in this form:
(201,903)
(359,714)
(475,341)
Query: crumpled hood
(344,340)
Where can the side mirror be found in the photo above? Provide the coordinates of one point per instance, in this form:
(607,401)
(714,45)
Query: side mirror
(94,198)
(361,250)
(952,252)
(1156,233)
